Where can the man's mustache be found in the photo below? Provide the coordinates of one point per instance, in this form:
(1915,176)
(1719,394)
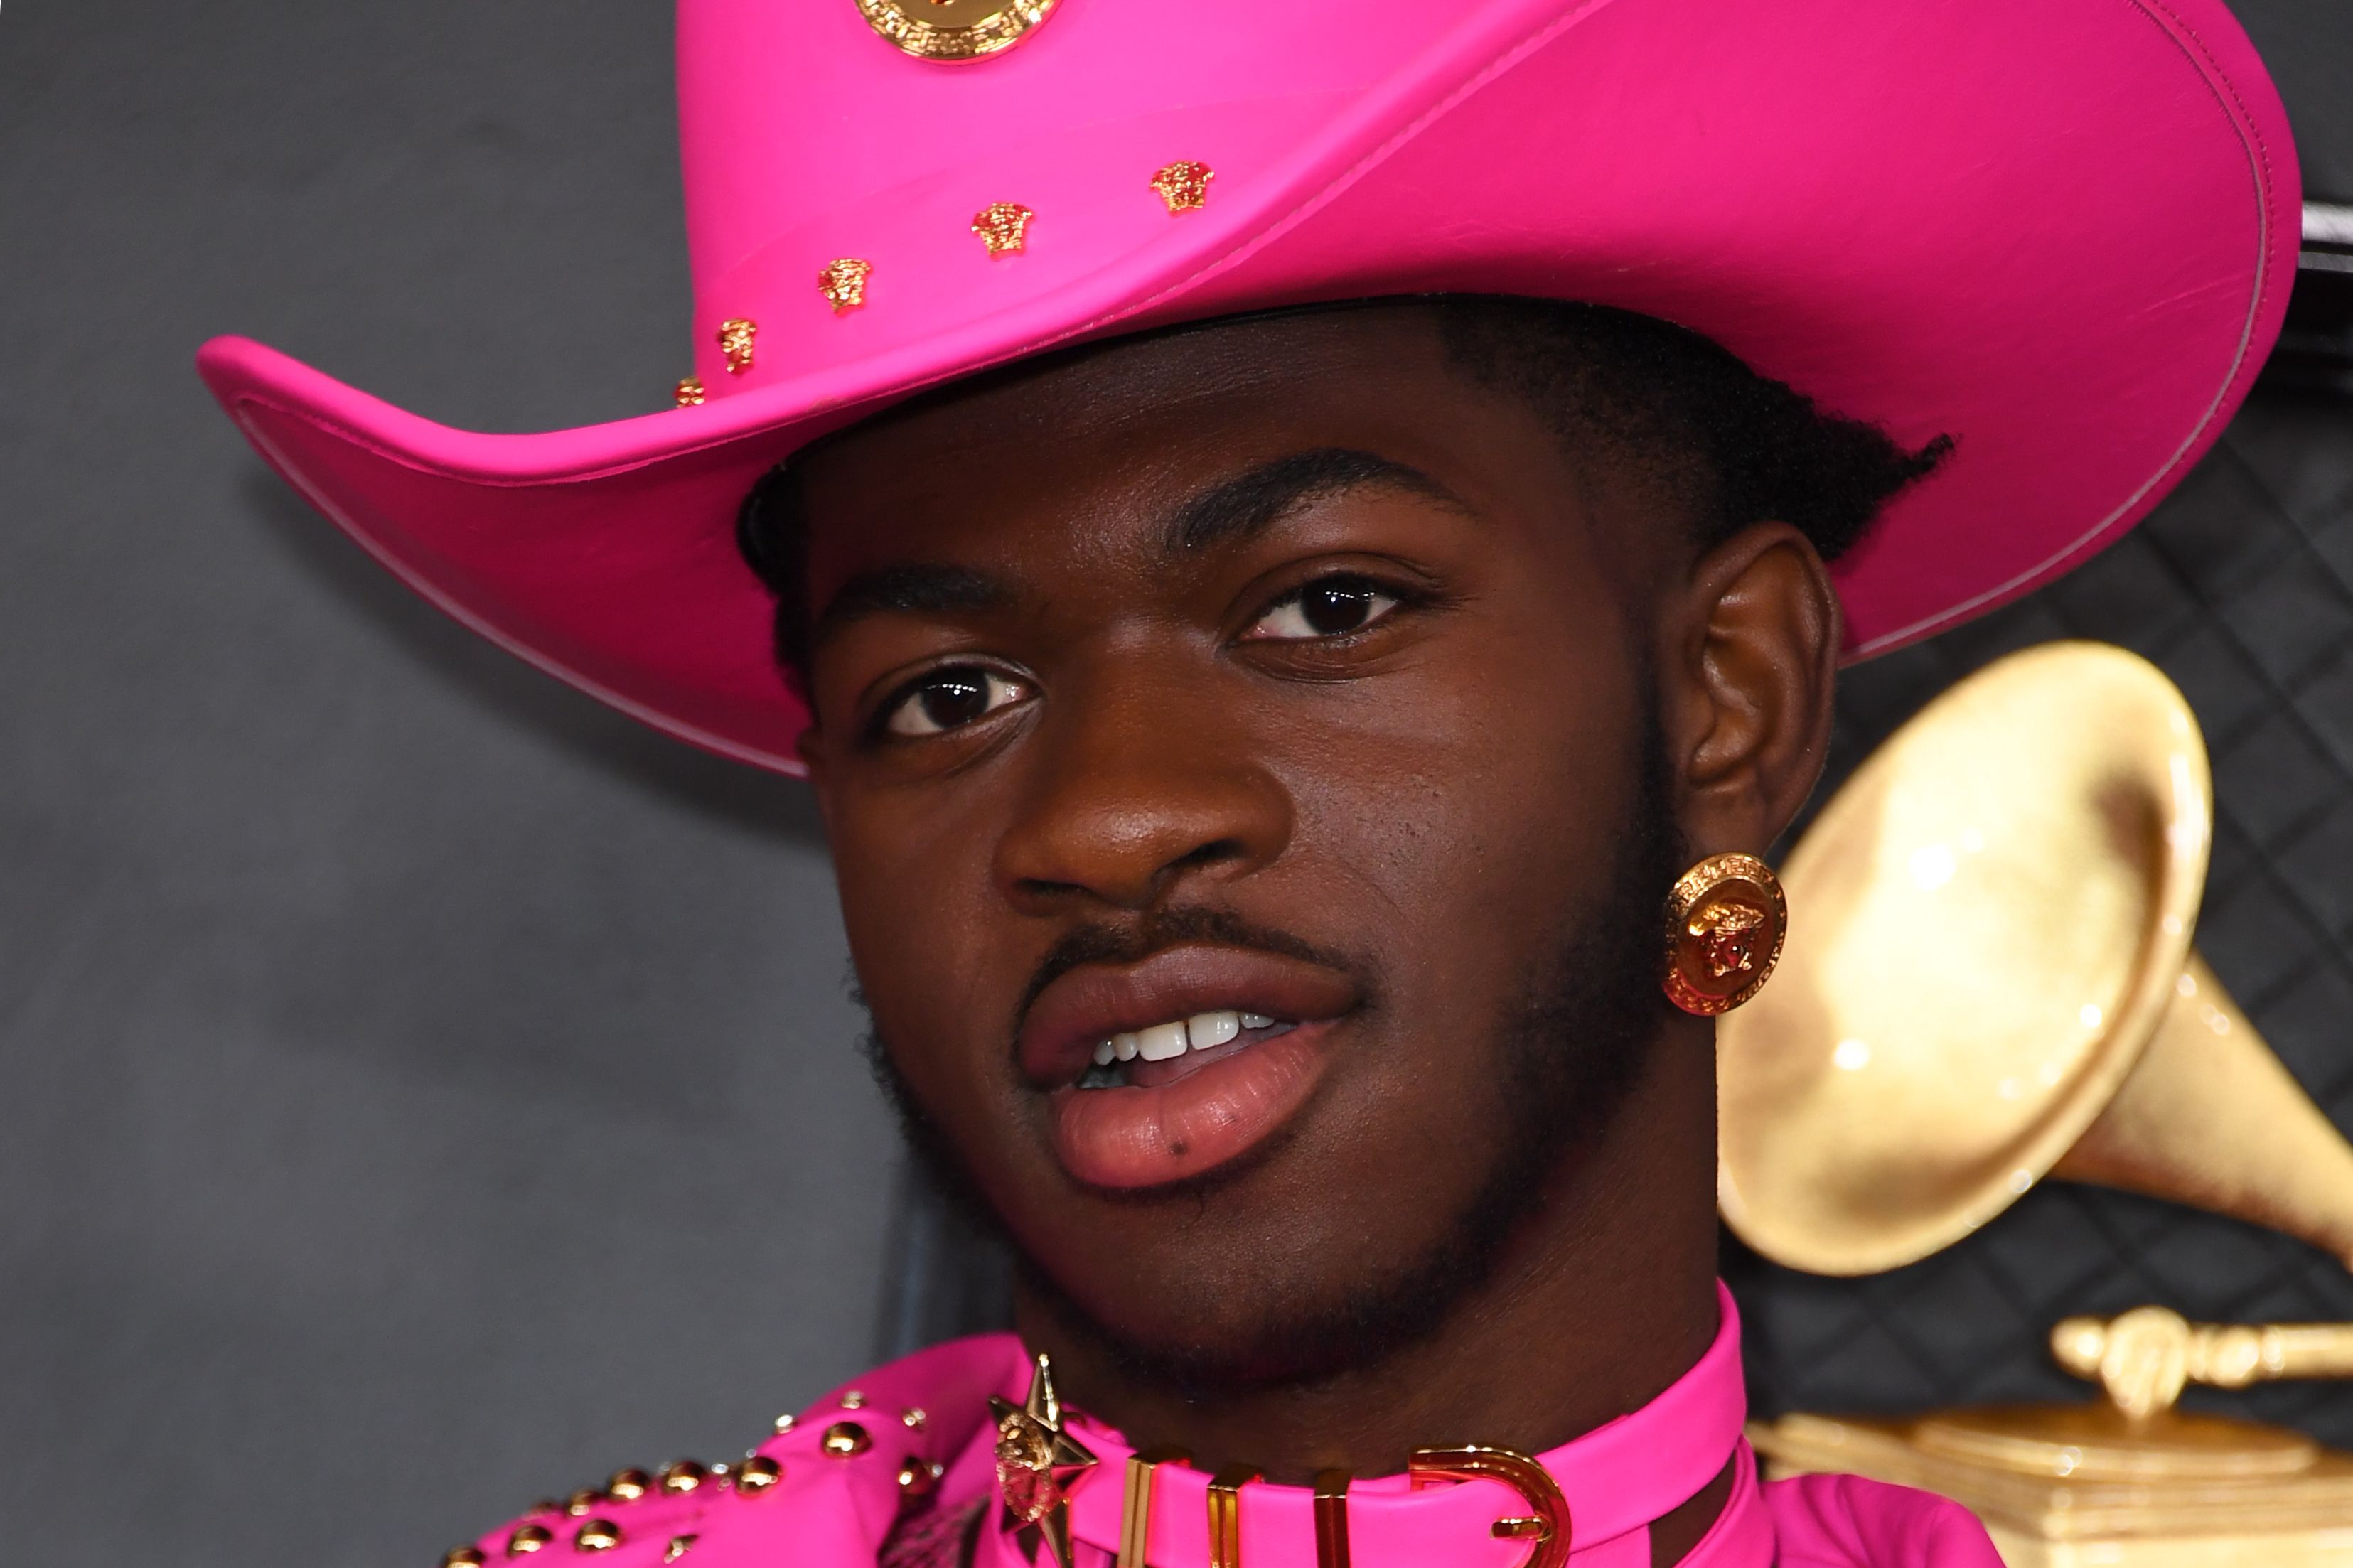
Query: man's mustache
(1103,943)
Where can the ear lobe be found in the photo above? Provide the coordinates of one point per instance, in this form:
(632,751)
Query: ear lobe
(1756,670)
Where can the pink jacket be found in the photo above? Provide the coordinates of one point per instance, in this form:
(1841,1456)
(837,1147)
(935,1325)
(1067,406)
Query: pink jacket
(892,1473)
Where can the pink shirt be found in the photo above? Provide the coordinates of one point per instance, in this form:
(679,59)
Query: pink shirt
(837,1501)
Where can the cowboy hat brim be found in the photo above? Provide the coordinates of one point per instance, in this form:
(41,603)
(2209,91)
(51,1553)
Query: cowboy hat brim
(2059,231)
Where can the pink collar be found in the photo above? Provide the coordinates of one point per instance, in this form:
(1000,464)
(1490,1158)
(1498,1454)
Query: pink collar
(1616,1479)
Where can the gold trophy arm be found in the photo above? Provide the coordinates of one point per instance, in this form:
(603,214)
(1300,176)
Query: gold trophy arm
(2145,1357)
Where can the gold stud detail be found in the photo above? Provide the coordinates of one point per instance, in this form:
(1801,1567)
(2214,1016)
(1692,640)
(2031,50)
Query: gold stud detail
(845,1440)
(546,1505)
(1003,227)
(596,1535)
(853,1400)
(912,1418)
(629,1484)
(527,1538)
(735,337)
(843,283)
(583,1502)
(757,1474)
(679,1545)
(918,1479)
(1184,186)
(688,393)
(462,1557)
(681,1476)
(784,1424)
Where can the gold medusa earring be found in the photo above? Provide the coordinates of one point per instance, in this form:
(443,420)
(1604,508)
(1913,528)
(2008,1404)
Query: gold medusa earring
(1725,919)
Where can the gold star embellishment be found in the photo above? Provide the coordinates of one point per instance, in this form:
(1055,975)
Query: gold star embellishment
(1037,1465)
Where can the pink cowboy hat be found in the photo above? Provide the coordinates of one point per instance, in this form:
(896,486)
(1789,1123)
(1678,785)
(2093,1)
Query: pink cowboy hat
(2061,230)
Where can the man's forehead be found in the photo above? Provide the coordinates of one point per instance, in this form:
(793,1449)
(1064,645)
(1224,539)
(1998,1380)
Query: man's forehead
(1137,399)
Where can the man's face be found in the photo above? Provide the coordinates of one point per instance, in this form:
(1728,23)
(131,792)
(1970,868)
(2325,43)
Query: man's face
(1264,708)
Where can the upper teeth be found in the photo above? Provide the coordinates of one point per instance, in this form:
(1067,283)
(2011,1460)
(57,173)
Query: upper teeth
(1161,1042)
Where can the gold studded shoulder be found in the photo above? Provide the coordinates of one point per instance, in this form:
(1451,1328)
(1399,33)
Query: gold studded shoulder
(631,1507)
(657,1516)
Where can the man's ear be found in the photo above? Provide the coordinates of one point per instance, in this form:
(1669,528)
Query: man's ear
(1752,638)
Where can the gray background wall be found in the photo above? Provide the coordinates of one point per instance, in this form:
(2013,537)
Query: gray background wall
(420,1088)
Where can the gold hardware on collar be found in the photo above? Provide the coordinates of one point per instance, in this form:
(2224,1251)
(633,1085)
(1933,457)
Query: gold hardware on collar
(1185,186)
(1038,1463)
(843,283)
(1331,1518)
(1225,1514)
(679,1545)
(1135,1504)
(954,29)
(528,1538)
(1523,1475)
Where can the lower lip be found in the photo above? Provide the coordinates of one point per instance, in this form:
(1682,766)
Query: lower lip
(1132,1137)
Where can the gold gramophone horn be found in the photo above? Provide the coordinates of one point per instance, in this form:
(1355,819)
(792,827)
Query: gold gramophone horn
(1989,979)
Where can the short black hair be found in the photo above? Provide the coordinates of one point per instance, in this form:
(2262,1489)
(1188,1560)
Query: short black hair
(1723,445)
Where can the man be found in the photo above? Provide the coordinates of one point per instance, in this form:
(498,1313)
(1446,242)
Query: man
(1297,657)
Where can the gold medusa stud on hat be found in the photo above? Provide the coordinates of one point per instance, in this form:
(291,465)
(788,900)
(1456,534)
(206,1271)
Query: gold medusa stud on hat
(1725,919)
(1185,186)
(954,29)
(735,342)
(843,283)
(1003,227)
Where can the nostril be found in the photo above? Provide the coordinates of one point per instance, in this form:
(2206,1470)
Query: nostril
(1216,852)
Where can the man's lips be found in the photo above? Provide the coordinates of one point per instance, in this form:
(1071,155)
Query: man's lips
(1087,1005)
(1179,1117)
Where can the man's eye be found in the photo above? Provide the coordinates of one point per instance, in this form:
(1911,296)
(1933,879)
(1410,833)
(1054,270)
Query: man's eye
(1330,607)
(949,699)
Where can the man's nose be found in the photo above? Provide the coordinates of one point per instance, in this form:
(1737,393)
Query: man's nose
(1137,789)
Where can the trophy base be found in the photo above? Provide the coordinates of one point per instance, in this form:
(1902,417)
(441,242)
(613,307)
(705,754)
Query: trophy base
(2068,1486)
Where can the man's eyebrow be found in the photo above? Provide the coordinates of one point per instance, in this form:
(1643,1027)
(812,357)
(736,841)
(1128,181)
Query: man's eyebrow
(909,589)
(1249,501)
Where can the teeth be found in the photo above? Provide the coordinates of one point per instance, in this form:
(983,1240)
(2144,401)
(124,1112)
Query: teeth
(1167,1041)
(1160,1043)
(1207,1029)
